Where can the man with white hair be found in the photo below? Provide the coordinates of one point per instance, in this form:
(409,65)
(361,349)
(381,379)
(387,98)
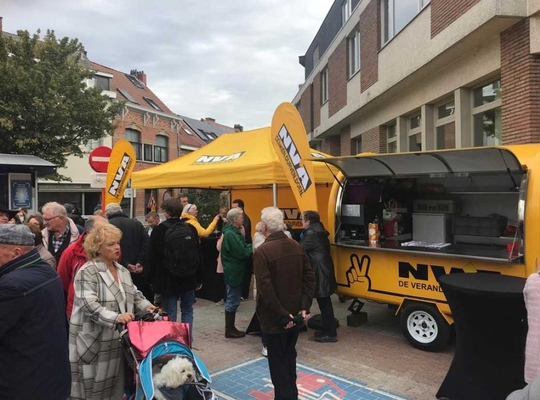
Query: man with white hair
(134,245)
(285,287)
(60,231)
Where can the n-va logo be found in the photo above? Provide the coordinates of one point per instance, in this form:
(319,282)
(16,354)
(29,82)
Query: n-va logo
(120,176)
(218,159)
(292,158)
(293,217)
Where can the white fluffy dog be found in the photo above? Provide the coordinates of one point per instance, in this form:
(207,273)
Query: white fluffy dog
(175,373)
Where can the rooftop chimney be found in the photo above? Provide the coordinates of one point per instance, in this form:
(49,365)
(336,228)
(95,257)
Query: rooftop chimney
(140,75)
(238,128)
(208,119)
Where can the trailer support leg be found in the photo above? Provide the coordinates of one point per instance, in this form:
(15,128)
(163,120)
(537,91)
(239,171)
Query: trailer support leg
(357,317)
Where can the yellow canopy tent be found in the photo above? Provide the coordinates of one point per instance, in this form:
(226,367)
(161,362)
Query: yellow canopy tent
(243,159)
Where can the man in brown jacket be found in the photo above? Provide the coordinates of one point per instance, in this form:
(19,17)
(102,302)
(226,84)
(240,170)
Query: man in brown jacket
(285,283)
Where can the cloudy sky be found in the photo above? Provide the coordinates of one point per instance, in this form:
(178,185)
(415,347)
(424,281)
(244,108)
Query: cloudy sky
(232,60)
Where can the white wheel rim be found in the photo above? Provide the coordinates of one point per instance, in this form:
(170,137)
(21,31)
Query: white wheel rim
(422,327)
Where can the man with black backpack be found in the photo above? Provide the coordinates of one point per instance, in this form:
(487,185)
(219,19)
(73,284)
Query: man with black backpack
(175,262)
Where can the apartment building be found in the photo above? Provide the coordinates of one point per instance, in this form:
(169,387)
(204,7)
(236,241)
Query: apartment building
(410,75)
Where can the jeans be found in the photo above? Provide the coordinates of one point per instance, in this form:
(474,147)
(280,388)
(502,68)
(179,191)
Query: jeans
(170,305)
(234,295)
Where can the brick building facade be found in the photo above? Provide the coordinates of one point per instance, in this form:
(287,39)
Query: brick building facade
(422,75)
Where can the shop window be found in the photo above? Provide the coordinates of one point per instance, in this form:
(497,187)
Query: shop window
(391,147)
(324,86)
(396,14)
(487,114)
(445,125)
(134,137)
(353,48)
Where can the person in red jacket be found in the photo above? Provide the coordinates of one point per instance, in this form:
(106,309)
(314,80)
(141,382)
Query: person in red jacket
(73,258)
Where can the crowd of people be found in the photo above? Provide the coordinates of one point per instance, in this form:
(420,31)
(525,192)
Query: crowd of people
(76,280)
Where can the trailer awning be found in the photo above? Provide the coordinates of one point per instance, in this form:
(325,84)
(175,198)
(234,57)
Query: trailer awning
(25,164)
(483,160)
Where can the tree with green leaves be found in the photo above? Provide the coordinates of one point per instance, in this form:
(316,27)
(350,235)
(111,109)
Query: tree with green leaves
(46,107)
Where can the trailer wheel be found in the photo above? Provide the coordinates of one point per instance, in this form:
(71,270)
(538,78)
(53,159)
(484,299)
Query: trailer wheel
(424,326)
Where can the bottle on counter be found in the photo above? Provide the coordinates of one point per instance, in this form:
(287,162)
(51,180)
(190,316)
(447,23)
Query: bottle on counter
(373,231)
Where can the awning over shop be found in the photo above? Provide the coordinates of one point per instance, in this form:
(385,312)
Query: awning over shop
(12,163)
(234,160)
(475,160)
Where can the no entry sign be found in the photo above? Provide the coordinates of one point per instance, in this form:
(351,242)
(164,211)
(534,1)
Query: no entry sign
(99,158)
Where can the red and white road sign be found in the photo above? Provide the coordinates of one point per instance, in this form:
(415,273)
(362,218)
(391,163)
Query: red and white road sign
(99,158)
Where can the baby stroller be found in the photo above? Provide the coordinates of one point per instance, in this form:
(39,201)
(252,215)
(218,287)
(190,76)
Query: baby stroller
(148,341)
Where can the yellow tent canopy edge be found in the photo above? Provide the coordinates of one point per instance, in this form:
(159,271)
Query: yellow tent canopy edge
(234,160)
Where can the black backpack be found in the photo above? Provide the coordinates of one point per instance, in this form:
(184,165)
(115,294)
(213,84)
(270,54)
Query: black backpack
(181,256)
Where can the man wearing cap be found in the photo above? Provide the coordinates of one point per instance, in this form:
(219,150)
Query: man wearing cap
(6,214)
(60,231)
(33,331)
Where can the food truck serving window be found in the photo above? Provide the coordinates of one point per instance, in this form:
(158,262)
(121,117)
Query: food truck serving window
(483,160)
(455,203)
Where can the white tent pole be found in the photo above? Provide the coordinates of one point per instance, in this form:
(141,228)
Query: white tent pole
(274,193)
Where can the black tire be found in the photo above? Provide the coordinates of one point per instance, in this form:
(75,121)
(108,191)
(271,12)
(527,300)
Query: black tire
(341,298)
(424,327)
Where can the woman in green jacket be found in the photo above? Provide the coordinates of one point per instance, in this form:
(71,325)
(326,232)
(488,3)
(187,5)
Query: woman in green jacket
(234,252)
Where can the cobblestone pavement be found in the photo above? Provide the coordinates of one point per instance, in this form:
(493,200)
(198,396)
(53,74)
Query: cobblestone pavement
(375,357)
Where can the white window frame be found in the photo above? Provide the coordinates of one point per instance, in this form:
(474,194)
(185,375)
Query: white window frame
(346,11)
(414,131)
(393,139)
(445,120)
(391,26)
(484,107)
(353,51)
(324,86)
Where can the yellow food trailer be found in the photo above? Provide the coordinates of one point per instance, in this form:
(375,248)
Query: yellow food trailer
(436,212)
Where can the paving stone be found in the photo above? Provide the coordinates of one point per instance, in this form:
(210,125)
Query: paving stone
(375,356)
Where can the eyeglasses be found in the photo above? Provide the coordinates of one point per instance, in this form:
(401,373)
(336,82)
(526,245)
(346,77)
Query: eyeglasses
(50,219)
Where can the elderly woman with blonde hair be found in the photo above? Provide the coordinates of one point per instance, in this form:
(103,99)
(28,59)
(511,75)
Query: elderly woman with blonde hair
(104,297)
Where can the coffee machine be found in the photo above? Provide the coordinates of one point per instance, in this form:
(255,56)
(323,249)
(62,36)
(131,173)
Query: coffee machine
(356,217)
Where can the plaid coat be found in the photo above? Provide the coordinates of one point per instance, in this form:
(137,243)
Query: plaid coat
(94,349)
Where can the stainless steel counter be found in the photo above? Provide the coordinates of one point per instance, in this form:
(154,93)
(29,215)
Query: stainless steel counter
(461,250)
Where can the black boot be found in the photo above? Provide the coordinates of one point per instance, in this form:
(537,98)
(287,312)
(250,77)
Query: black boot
(230,330)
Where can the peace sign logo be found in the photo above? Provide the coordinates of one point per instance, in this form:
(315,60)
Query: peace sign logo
(358,270)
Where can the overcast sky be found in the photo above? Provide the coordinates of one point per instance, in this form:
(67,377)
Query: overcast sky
(232,60)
